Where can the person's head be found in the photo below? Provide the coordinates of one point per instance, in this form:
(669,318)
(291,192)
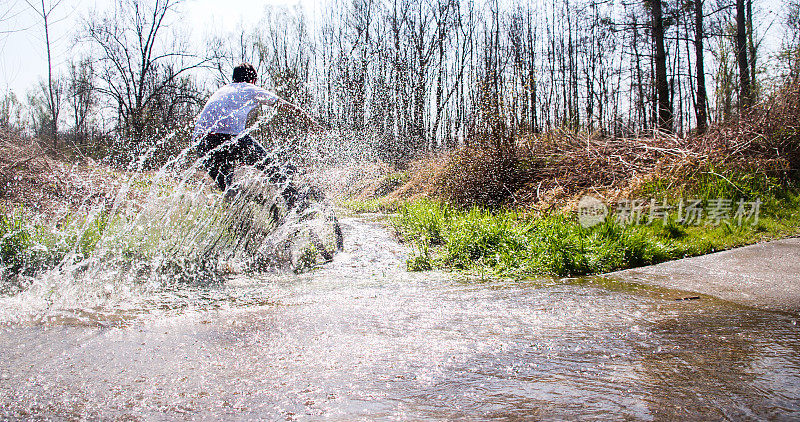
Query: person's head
(245,72)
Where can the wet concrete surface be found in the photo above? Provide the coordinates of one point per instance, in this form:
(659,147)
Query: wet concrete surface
(765,275)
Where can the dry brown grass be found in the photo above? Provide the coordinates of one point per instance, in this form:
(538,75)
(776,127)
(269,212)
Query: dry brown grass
(553,169)
(768,133)
(423,172)
(544,170)
(38,180)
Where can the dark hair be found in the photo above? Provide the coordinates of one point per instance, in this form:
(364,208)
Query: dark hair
(245,72)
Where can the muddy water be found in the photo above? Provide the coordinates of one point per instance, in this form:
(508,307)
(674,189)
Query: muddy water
(363,339)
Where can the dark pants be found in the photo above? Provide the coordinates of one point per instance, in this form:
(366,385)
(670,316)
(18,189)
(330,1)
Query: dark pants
(221,160)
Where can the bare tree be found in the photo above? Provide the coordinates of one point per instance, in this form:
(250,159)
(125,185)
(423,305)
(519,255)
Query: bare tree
(140,60)
(751,46)
(52,90)
(227,50)
(11,112)
(9,12)
(81,96)
(407,76)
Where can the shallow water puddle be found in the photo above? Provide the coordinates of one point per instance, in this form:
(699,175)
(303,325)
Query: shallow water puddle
(362,338)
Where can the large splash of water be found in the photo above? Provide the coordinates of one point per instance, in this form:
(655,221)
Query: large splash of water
(171,230)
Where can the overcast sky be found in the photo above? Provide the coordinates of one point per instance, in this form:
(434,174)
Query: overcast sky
(23,58)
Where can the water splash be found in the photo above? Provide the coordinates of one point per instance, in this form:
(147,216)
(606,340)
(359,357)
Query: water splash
(170,230)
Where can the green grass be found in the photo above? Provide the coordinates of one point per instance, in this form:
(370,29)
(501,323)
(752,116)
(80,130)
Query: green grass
(171,236)
(15,237)
(507,243)
(27,247)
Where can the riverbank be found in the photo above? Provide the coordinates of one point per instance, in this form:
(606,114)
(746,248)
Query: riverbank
(656,223)
(646,220)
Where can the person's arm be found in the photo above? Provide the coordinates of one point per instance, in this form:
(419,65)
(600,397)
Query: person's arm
(297,111)
(262,96)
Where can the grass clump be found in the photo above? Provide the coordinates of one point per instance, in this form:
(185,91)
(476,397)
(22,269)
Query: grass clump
(15,239)
(27,248)
(424,222)
(512,244)
(509,243)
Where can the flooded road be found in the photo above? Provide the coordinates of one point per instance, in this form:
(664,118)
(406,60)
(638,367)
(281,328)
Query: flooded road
(361,338)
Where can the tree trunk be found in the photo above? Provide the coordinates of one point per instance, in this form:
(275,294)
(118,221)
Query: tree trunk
(751,47)
(640,104)
(745,98)
(662,84)
(701,106)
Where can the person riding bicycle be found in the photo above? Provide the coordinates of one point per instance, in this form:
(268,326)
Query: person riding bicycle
(218,132)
